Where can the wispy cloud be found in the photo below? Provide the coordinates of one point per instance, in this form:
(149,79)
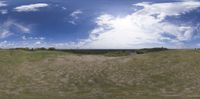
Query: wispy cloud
(4,11)
(64,8)
(7,26)
(31,7)
(146,27)
(76,13)
(75,16)
(32,38)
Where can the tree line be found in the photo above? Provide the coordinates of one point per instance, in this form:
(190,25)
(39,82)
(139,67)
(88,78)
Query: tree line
(109,52)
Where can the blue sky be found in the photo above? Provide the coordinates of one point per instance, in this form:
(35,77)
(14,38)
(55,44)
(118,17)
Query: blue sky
(100,24)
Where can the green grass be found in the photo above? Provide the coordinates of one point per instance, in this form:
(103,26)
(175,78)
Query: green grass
(172,74)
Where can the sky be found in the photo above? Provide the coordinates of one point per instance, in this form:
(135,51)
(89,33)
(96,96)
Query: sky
(100,24)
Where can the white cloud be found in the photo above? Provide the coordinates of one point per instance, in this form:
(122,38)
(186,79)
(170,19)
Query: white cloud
(31,7)
(6,28)
(31,42)
(161,10)
(5,44)
(72,22)
(38,43)
(146,27)
(35,44)
(64,8)
(75,16)
(21,27)
(24,38)
(4,11)
(33,38)
(76,13)
(2,4)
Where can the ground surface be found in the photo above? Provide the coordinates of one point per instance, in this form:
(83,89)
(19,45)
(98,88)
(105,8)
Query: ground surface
(173,74)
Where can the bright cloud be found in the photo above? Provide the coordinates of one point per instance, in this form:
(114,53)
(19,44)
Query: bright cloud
(2,4)
(146,27)
(31,7)
(38,43)
(6,28)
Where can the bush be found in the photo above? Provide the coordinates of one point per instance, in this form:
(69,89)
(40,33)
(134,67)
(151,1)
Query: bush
(139,52)
(42,48)
(52,49)
(146,50)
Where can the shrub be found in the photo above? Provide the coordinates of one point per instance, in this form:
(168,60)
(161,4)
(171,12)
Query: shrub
(52,49)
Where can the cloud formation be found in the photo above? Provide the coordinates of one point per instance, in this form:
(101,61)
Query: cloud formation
(31,7)
(4,11)
(2,4)
(33,38)
(146,27)
(75,16)
(76,13)
(6,28)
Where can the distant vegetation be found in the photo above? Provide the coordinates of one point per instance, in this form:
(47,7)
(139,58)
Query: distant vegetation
(146,50)
(106,52)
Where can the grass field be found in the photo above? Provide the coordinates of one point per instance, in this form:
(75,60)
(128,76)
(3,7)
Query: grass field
(172,74)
